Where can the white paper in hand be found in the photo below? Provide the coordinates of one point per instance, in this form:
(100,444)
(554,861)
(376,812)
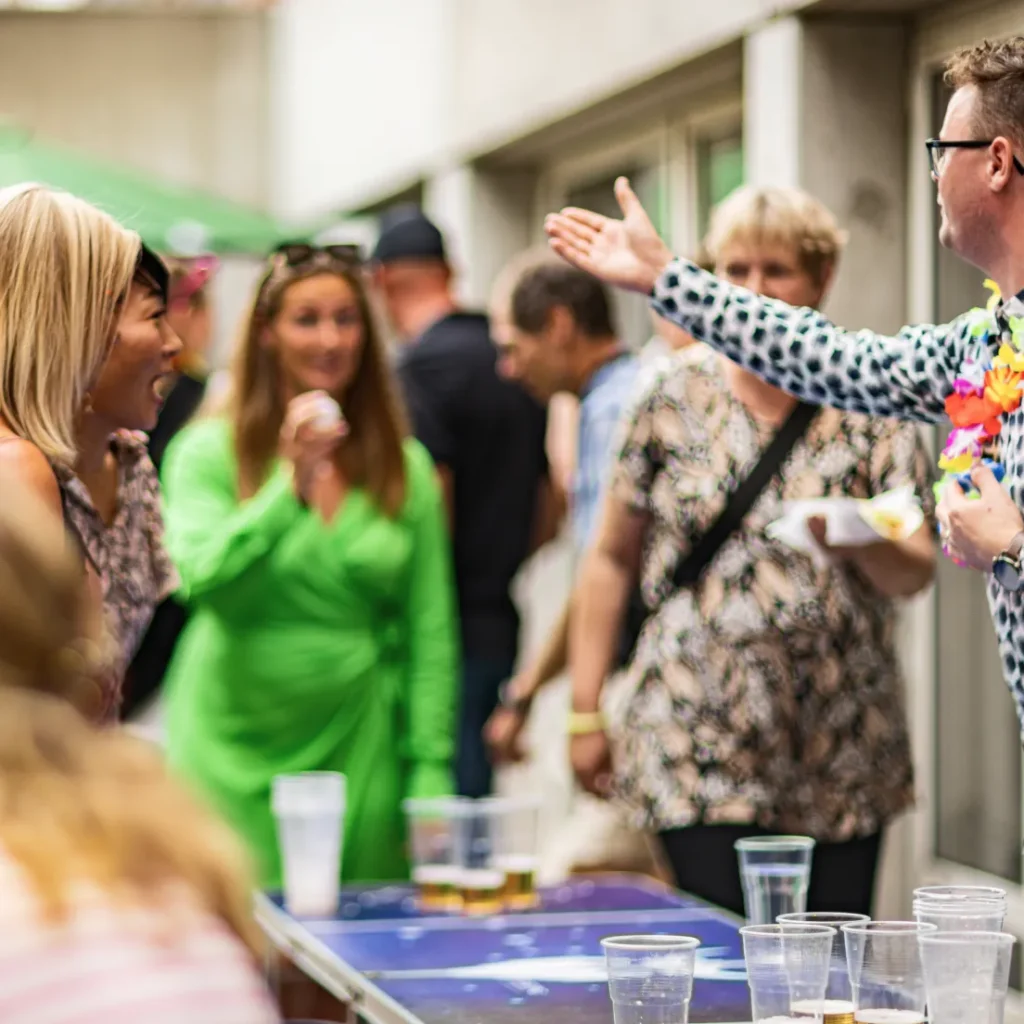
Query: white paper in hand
(849,522)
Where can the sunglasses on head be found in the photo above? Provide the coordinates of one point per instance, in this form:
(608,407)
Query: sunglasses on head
(300,254)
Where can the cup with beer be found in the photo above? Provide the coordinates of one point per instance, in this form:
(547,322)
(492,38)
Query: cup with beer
(886,971)
(787,970)
(966,976)
(838,1006)
(516,836)
(650,977)
(481,881)
(435,835)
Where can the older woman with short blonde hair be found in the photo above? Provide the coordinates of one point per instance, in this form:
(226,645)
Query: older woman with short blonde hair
(767,692)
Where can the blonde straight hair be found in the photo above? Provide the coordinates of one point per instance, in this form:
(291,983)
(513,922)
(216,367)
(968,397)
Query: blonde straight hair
(65,269)
(78,805)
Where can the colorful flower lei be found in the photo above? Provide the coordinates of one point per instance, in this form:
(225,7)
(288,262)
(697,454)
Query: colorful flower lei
(981,395)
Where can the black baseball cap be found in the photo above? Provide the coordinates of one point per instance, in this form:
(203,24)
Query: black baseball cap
(406,233)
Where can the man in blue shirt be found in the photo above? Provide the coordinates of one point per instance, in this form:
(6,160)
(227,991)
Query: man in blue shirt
(557,336)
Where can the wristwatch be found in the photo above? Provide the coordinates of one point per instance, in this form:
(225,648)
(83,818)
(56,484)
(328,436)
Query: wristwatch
(508,699)
(1007,566)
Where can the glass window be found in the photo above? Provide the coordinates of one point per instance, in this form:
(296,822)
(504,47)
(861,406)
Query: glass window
(719,172)
(631,311)
(977,748)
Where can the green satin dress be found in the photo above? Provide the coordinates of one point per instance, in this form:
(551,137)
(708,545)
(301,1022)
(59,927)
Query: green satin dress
(310,647)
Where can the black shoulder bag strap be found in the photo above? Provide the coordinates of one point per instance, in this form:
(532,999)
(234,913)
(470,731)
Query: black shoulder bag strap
(688,572)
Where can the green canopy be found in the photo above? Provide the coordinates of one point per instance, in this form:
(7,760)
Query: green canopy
(170,219)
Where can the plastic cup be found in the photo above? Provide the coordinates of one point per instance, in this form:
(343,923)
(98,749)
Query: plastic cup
(775,871)
(886,973)
(515,852)
(952,893)
(310,810)
(650,977)
(481,882)
(838,1008)
(435,834)
(787,970)
(961,915)
(966,976)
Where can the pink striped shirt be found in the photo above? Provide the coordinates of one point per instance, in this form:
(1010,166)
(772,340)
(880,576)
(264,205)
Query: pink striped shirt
(114,964)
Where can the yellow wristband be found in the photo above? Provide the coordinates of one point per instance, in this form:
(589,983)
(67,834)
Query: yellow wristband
(582,722)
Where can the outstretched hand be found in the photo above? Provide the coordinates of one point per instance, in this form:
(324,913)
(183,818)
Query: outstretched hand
(627,253)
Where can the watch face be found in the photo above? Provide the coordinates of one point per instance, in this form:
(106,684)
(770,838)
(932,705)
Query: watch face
(1007,576)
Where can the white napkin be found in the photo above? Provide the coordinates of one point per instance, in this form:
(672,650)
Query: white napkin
(849,522)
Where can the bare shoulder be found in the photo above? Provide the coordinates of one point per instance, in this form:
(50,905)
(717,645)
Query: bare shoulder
(22,462)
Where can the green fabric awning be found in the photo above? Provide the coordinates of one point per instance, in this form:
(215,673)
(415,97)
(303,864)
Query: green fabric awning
(169,218)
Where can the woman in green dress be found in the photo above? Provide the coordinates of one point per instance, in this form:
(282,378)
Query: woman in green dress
(314,558)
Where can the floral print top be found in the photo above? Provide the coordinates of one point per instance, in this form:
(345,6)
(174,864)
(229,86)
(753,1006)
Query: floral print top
(128,556)
(770,692)
(908,375)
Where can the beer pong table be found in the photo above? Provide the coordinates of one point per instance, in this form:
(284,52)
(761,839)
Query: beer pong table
(395,965)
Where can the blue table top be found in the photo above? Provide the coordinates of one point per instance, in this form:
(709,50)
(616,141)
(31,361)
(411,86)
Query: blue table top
(545,964)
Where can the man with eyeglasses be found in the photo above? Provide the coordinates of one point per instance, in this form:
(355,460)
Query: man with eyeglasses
(977,166)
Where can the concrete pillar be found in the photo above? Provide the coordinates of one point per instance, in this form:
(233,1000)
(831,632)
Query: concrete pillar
(486,217)
(825,110)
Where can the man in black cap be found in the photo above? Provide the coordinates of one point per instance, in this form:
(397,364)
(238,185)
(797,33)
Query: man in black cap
(486,436)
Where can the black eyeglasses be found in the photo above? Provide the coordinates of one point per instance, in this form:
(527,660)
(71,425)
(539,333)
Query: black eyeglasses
(300,254)
(937,151)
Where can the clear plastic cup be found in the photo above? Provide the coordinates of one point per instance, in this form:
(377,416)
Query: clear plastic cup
(776,872)
(953,893)
(787,970)
(515,853)
(966,976)
(481,882)
(838,1008)
(435,837)
(310,810)
(886,973)
(650,977)
(961,915)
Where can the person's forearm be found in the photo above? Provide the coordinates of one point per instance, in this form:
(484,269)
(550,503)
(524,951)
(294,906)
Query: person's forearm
(896,568)
(602,596)
(799,350)
(553,656)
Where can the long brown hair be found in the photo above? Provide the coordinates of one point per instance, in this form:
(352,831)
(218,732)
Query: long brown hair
(371,456)
(78,804)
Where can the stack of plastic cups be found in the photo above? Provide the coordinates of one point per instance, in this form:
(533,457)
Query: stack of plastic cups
(961,908)
(650,977)
(886,972)
(310,809)
(966,976)
(787,971)
(838,1008)
(776,874)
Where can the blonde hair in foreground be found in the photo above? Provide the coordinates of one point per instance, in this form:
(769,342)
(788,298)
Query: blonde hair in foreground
(65,269)
(77,804)
(787,217)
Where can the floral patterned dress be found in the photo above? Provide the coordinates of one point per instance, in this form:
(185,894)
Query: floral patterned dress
(769,693)
(128,556)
